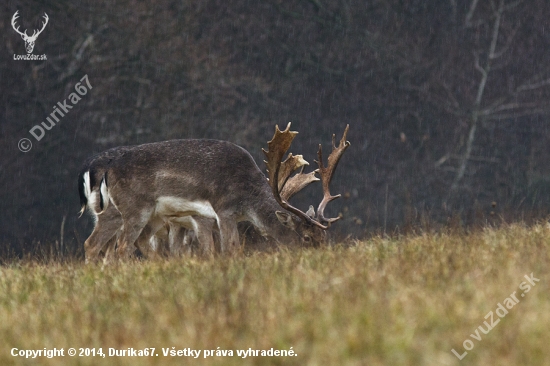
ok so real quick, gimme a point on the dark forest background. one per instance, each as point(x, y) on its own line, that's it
point(447, 102)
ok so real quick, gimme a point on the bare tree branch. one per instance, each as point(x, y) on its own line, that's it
point(512, 5)
point(468, 22)
point(526, 113)
point(533, 86)
point(479, 97)
point(496, 30)
point(450, 94)
point(508, 43)
point(508, 106)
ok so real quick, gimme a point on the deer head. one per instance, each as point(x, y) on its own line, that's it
point(310, 226)
point(29, 40)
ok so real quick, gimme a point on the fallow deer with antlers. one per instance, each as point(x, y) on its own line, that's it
point(155, 183)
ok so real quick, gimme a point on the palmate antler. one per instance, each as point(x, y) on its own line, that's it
point(327, 172)
point(283, 186)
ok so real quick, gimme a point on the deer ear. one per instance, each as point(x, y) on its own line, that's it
point(286, 219)
point(311, 212)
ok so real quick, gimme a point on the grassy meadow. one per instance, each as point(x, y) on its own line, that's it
point(384, 301)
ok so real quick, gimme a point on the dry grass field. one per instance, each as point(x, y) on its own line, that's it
point(401, 301)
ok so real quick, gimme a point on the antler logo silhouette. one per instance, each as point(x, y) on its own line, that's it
point(29, 40)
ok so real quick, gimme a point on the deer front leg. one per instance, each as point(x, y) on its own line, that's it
point(229, 235)
point(176, 235)
point(110, 248)
point(204, 227)
point(160, 242)
point(180, 240)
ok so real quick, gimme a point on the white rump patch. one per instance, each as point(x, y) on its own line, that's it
point(93, 203)
point(86, 184)
point(104, 194)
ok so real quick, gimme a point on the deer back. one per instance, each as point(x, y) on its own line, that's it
point(219, 172)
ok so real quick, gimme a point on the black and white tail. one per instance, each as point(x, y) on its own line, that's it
point(92, 196)
point(92, 180)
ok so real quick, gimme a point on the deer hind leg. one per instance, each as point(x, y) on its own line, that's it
point(110, 248)
point(143, 242)
point(135, 220)
point(103, 236)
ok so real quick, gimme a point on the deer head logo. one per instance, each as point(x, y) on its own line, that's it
point(29, 40)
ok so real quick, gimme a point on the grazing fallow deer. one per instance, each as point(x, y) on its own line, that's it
point(216, 180)
point(108, 223)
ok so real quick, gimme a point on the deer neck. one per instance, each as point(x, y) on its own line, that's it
point(266, 222)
